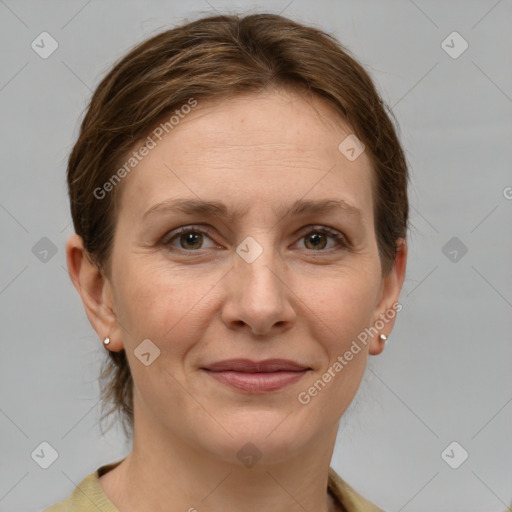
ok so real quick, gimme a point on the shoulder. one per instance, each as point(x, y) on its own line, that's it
point(350, 500)
point(88, 496)
point(58, 507)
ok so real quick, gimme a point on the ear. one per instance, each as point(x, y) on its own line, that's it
point(388, 305)
point(96, 292)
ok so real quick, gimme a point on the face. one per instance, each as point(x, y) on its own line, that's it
point(262, 247)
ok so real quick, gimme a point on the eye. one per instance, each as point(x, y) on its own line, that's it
point(187, 238)
point(317, 239)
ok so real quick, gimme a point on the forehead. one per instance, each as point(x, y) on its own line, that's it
point(276, 145)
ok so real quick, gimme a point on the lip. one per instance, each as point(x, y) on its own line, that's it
point(249, 366)
point(257, 376)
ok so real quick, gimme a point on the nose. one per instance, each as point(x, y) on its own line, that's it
point(258, 296)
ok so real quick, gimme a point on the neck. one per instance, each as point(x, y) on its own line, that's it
point(165, 474)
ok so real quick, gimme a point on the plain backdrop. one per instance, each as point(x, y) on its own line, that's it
point(446, 373)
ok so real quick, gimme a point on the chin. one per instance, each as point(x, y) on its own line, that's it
point(270, 436)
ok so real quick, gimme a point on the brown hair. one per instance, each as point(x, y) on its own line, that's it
point(214, 58)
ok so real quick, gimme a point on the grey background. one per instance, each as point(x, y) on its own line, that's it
point(446, 373)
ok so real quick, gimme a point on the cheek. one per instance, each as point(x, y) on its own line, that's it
point(345, 307)
point(162, 303)
point(341, 302)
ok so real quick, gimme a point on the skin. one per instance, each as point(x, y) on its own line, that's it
point(255, 153)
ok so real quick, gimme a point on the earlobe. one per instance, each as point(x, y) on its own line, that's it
point(378, 343)
point(94, 290)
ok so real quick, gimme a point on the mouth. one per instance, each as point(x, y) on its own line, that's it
point(257, 376)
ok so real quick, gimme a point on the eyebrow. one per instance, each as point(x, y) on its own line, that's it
point(219, 209)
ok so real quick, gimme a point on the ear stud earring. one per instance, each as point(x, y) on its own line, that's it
point(383, 338)
point(106, 341)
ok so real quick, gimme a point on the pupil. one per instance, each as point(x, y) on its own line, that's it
point(191, 239)
point(317, 240)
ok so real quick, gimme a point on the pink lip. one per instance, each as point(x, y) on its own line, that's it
point(257, 382)
point(257, 376)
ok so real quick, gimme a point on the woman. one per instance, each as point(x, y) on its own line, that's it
point(239, 197)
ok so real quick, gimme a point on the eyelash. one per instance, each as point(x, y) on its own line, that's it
point(342, 241)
